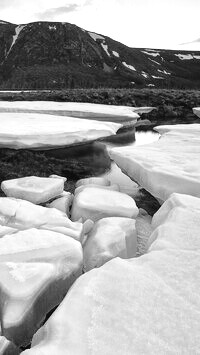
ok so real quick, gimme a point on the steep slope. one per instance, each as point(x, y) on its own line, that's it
point(61, 55)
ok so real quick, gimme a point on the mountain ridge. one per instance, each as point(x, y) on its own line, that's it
point(58, 55)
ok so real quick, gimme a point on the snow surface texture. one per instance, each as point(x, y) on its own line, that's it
point(33, 188)
point(36, 131)
point(98, 112)
point(196, 111)
point(20, 215)
point(94, 203)
point(147, 305)
point(34, 265)
point(109, 238)
point(169, 165)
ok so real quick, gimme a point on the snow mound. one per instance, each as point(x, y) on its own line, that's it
point(169, 165)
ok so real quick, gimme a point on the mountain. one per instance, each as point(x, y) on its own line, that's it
point(54, 55)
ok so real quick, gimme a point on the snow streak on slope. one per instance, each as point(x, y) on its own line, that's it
point(95, 36)
point(128, 66)
point(115, 54)
point(18, 29)
point(153, 54)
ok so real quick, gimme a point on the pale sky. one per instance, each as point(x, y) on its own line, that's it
point(136, 23)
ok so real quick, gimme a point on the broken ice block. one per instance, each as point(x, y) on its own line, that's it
point(62, 203)
point(146, 305)
point(94, 203)
point(21, 214)
point(33, 188)
point(109, 238)
point(36, 270)
point(93, 180)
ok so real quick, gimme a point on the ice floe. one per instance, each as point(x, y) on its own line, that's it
point(94, 203)
point(81, 110)
point(36, 131)
point(146, 305)
point(169, 165)
point(33, 188)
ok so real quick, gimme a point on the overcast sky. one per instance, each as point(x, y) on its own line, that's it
point(136, 23)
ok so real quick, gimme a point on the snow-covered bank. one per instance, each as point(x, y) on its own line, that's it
point(169, 165)
point(34, 131)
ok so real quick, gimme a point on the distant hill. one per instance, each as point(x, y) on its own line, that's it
point(53, 55)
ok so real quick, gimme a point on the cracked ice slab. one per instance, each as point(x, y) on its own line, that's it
point(146, 305)
point(36, 270)
point(81, 110)
point(169, 165)
point(42, 131)
point(21, 215)
point(33, 188)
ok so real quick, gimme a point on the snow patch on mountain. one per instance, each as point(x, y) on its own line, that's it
point(128, 66)
point(95, 36)
point(144, 74)
point(115, 54)
point(184, 56)
point(153, 54)
point(157, 77)
point(18, 29)
point(154, 61)
point(164, 72)
point(53, 27)
point(105, 48)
